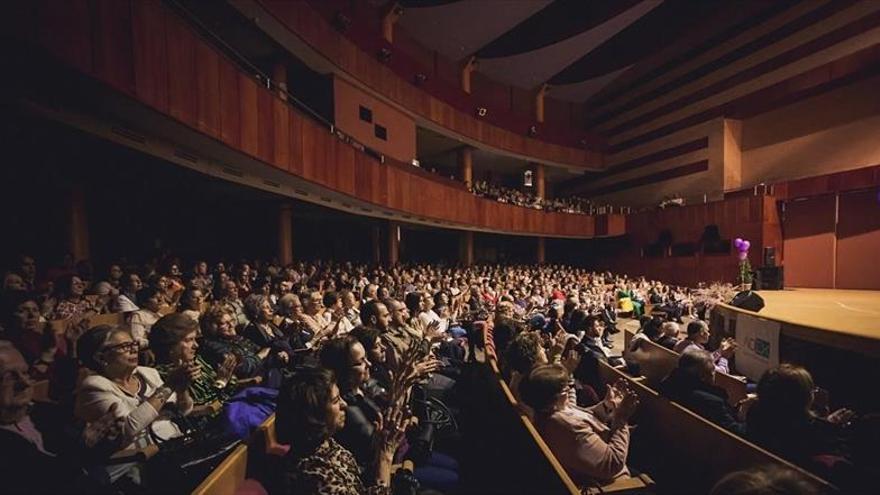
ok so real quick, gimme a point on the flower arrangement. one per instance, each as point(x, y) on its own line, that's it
point(745, 268)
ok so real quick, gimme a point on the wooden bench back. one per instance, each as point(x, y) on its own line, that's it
point(657, 362)
point(683, 451)
point(524, 462)
point(226, 478)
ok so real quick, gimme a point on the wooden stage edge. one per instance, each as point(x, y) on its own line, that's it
point(844, 319)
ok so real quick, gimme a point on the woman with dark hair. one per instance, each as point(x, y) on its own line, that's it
point(347, 359)
point(310, 410)
point(69, 299)
point(782, 421)
point(380, 377)
point(143, 319)
point(591, 444)
point(138, 394)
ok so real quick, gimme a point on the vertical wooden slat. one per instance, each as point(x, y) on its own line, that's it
point(150, 62)
point(182, 81)
point(248, 114)
point(208, 89)
point(112, 49)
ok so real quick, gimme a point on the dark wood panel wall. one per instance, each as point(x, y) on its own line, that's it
point(450, 112)
point(752, 217)
point(144, 50)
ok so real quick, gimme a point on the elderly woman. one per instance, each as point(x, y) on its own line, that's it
point(262, 329)
point(144, 318)
point(173, 341)
point(591, 444)
point(310, 411)
point(138, 394)
point(221, 340)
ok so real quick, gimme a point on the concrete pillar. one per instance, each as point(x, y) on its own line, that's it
point(466, 165)
point(469, 66)
point(377, 250)
point(279, 77)
point(540, 184)
point(285, 233)
point(393, 243)
point(539, 102)
point(466, 248)
point(541, 254)
point(78, 221)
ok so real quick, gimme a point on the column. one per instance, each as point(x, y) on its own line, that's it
point(466, 248)
point(393, 243)
point(539, 102)
point(541, 254)
point(392, 14)
point(79, 224)
point(466, 165)
point(540, 189)
point(469, 66)
point(377, 250)
point(279, 77)
point(285, 233)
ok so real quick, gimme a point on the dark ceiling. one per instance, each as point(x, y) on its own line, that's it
point(579, 47)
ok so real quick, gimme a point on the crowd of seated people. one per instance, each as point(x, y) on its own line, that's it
point(337, 351)
point(528, 199)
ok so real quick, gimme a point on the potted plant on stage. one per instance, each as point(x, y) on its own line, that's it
point(745, 268)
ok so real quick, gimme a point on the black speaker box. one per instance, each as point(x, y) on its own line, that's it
point(748, 300)
point(769, 278)
point(769, 256)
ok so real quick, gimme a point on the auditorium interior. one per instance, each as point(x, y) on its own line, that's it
point(440, 247)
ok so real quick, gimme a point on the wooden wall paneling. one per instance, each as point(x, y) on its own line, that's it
point(230, 104)
point(281, 134)
point(858, 240)
point(182, 82)
point(295, 126)
point(248, 114)
point(65, 28)
point(150, 54)
point(265, 125)
point(810, 242)
point(208, 106)
point(112, 48)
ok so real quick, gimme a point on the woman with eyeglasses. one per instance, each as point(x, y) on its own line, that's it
point(221, 340)
point(140, 397)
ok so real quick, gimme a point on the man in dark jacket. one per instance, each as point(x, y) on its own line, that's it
point(692, 384)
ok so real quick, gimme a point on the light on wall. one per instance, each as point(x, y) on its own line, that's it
point(482, 111)
point(384, 55)
point(527, 178)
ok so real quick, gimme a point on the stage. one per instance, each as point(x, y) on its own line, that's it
point(833, 333)
point(844, 319)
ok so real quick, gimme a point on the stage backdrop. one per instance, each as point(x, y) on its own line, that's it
point(832, 241)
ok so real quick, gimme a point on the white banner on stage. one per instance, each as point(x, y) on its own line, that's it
point(758, 341)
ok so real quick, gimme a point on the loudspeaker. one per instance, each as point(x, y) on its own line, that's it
point(769, 278)
point(748, 300)
point(769, 256)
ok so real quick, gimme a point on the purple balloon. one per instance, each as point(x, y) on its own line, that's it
point(737, 242)
point(746, 245)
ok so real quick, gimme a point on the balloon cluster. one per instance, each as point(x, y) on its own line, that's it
point(742, 248)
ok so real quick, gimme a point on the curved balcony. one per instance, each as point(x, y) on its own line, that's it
point(432, 100)
point(148, 53)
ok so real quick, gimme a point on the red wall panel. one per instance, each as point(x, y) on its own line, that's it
point(150, 54)
point(182, 82)
point(810, 242)
point(858, 240)
point(112, 51)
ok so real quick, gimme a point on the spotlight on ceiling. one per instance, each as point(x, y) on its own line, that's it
point(533, 130)
point(482, 111)
point(420, 78)
point(384, 55)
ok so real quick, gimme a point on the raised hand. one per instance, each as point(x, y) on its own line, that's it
point(227, 367)
point(571, 360)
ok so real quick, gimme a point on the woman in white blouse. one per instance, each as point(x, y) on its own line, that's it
point(137, 392)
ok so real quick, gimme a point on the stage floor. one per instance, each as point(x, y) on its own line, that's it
point(851, 312)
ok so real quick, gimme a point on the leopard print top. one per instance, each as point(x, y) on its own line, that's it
point(330, 470)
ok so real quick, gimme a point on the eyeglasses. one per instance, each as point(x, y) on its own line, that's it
point(124, 347)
